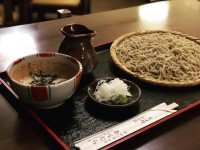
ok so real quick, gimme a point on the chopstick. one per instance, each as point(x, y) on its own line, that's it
point(169, 108)
point(112, 134)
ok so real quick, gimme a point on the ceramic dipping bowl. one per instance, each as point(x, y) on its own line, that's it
point(45, 80)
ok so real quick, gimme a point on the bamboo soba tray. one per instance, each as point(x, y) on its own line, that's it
point(164, 57)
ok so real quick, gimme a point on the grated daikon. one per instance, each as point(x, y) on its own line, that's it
point(110, 91)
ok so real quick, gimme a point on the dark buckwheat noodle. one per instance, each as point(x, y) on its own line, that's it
point(161, 56)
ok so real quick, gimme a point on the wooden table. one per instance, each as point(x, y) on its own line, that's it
point(182, 132)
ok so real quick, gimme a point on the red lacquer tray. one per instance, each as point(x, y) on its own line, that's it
point(80, 117)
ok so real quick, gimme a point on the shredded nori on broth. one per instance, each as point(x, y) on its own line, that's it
point(41, 78)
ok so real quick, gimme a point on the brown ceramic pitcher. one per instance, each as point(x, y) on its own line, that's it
point(77, 43)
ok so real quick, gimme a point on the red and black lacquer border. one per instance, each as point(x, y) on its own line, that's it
point(63, 145)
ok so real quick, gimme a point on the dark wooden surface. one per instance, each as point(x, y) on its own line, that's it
point(182, 132)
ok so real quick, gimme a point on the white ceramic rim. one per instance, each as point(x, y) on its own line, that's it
point(55, 53)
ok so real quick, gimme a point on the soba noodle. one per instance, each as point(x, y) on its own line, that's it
point(161, 56)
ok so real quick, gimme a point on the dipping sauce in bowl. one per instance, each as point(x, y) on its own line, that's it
point(43, 73)
point(45, 80)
